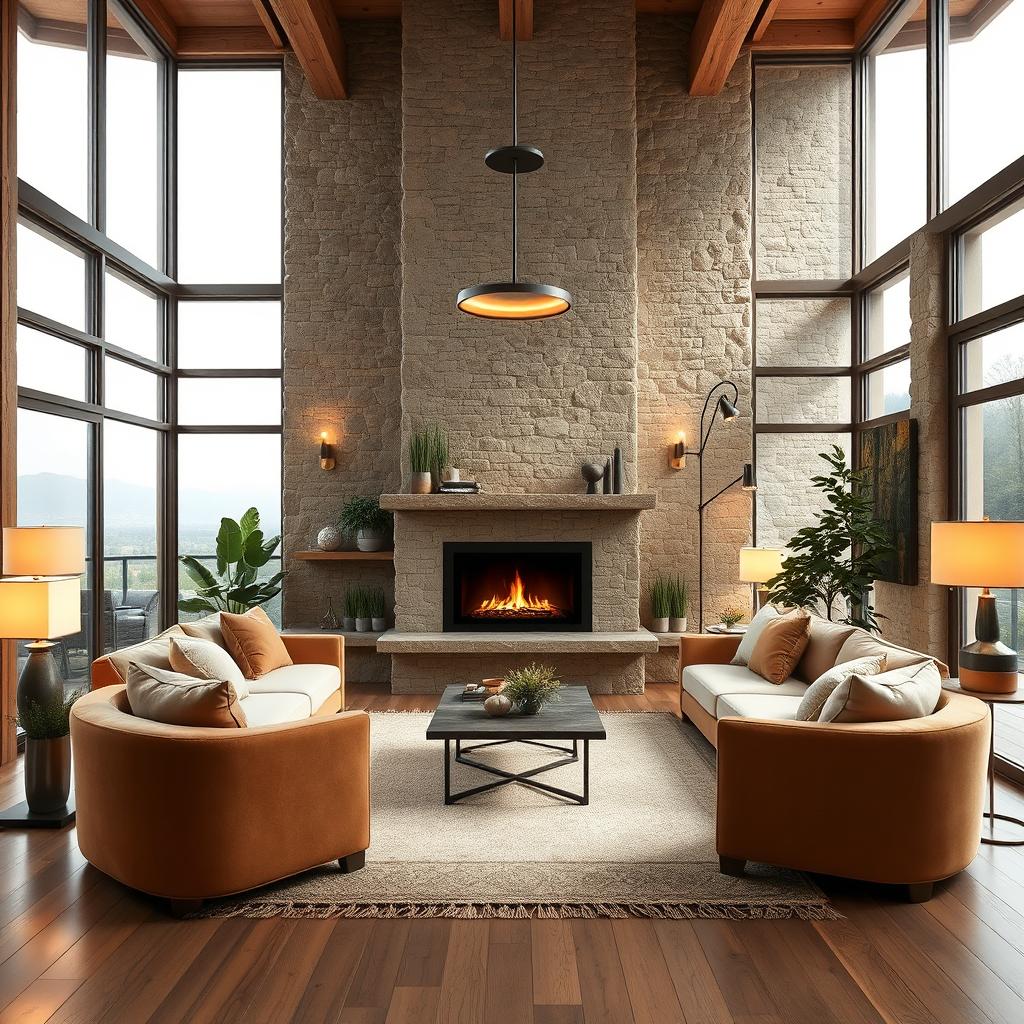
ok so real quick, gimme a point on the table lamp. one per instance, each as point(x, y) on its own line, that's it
point(987, 555)
point(758, 566)
point(41, 599)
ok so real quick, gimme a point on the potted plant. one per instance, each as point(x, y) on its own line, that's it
point(362, 606)
point(348, 618)
point(530, 688)
point(242, 551)
point(48, 754)
point(661, 603)
point(364, 518)
point(420, 457)
point(378, 610)
point(441, 456)
point(679, 602)
point(831, 566)
point(730, 617)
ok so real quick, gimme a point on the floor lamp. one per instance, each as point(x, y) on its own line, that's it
point(725, 408)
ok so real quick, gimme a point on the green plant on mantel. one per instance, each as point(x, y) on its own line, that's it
point(661, 597)
point(376, 602)
point(530, 688)
point(242, 551)
point(440, 450)
point(679, 598)
point(420, 453)
point(363, 513)
point(840, 556)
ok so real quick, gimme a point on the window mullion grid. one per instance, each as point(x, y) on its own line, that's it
point(937, 101)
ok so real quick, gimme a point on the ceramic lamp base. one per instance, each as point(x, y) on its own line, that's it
point(988, 667)
point(40, 682)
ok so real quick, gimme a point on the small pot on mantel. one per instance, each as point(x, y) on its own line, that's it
point(379, 625)
point(450, 476)
point(371, 540)
point(363, 625)
point(677, 625)
point(659, 625)
point(422, 483)
point(348, 623)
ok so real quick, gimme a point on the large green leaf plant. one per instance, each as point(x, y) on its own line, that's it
point(242, 551)
point(831, 566)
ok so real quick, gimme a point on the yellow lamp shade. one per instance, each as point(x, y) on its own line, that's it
point(759, 565)
point(978, 554)
point(44, 550)
point(34, 608)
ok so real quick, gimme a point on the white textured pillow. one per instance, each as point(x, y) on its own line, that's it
point(203, 659)
point(749, 640)
point(823, 687)
point(904, 693)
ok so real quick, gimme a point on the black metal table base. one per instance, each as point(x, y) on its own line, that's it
point(526, 778)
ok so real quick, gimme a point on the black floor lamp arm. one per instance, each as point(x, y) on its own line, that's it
point(733, 483)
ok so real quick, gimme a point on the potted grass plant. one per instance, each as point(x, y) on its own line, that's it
point(661, 603)
point(348, 618)
point(530, 688)
point(441, 456)
point(420, 461)
point(363, 517)
point(378, 609)
point(364, 623)
point(679, 603)
point(48, 753)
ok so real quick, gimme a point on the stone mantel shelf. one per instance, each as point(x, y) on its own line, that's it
point(517, 502)
point(638, 642)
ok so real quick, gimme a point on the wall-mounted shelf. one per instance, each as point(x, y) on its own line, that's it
point(352, 639)
point(344, 556)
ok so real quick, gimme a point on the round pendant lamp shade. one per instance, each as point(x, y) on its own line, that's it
point(505, 300)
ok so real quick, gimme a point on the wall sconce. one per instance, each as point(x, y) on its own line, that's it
point(326, 452)
point(677, 453)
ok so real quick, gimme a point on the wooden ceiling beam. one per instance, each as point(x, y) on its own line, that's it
point(716, 40)
point(269, 21)
point(524, 19)
point(205, 42)
point(867, 19)
point(163, 24)
point(764, 19)
point(315, 36)
point(808, 36)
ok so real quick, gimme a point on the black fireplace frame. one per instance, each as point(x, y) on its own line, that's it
point(586, 596)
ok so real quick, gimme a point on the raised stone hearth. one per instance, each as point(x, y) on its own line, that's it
point(639, 642)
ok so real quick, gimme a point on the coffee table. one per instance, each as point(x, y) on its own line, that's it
point(573, 717)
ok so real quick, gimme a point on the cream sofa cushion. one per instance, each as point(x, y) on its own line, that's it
point(861, 643)
point(156, 652)
point(749, 639)
point(774, 705)
point(909, 692)
point(206, 660)
point(823, 687)
point(315, 683)
point(706, 683)
point(275, 709)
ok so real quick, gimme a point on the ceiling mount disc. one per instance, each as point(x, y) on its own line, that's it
point(515, 159)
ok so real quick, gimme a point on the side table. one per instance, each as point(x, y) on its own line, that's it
point(993, 700)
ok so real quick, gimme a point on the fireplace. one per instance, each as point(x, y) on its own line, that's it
point(521, 587)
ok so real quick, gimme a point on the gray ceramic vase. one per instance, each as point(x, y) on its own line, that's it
point(47, 774)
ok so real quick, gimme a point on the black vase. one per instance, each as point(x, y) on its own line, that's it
point(617, 471)
point(608, 477)
point(47, 774)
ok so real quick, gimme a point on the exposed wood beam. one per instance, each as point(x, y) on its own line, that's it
point(270, 22)
point(868, 18)
point(197, 42)
point(524, 19)
point(156, 14)
point(806, 36)
point(764, 19)
point(315, 35)
point(717, 38)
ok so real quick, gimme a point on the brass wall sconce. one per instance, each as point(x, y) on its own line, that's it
point(677, 452)
point(326, 452)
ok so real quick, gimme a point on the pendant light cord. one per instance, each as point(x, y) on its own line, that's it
point(515, 142)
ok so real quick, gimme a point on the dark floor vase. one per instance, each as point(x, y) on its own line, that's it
point(47, 774)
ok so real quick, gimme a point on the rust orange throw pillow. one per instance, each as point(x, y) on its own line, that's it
point(254, 643)
point(780, 646)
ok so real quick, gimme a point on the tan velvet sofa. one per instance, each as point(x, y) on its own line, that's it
point(190, 814)
point(897, 803)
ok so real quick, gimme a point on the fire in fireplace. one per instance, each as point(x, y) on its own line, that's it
point(517, 586)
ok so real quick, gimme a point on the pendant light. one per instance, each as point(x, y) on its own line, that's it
point(515, 299)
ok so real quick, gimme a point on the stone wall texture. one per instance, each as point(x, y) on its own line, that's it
point(694, 311)
point(525, 403)
point(803, 332)
point(916, 616)
point(341, 313)
point(803, 155)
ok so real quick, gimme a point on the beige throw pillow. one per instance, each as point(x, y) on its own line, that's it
point(175, 699)
point(205, 660)
point(860, 643)
point(823, 646)
point(895, 696)
point(767, 614)
point(822, 688)
point(155, 651)
point(780, 645)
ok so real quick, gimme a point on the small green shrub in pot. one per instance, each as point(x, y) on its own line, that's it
point(661, 603)
point(679, 603)
point(367, 521)
point(420, 459)
point(378, 609)
point(530, 688)
point(348, 621)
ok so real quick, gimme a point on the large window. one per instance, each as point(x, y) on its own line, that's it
point(120, 367)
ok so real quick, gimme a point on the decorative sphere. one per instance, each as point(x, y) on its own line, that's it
point(592, 472)
point(497, 705)
point(329, 539)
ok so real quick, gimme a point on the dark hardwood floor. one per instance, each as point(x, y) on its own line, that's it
point(76, 946)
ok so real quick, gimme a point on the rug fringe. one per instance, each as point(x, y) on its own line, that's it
point(524, 911)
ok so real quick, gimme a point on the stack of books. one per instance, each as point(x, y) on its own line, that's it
point(459, 487)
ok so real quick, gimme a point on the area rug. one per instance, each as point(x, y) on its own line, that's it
point(644, 846)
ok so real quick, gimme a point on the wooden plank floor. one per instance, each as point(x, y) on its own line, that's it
point(76, 946)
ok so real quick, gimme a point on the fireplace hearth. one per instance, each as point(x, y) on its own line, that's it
point(517, 587)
